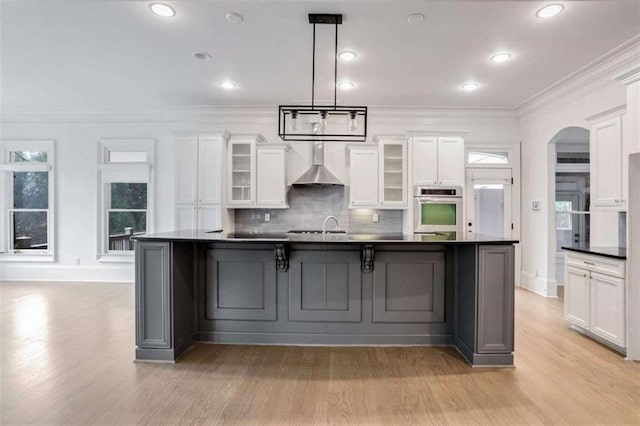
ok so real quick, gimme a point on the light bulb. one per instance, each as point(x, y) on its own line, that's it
point(294, 120)
point(353, 123)
point(323, 121)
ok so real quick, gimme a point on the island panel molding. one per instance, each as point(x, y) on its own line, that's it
point(196, 286)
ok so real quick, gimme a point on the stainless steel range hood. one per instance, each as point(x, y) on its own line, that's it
point(318, 174)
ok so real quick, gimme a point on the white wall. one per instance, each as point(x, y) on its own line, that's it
point(77, 135)
point(588, 93)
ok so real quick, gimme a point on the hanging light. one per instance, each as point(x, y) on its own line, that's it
point(353, 122)
point(320, 117)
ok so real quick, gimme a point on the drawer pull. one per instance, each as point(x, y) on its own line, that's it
point(589, 263)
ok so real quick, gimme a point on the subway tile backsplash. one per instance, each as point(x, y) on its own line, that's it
point(309, 206)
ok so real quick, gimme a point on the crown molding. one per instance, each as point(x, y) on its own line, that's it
point(630, 75)
point(222, 116)
point(602, 69)
point(610, 113)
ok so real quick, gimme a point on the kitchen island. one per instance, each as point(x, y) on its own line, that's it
point(441, 289)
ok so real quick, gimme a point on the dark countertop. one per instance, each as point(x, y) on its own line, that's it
point(435, 238)
point(613, 252)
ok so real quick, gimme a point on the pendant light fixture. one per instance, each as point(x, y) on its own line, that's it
point(332, 123)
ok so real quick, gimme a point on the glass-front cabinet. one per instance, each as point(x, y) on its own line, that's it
point(241, 168)
point(393, 171)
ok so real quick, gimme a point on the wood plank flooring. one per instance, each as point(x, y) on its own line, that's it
point(67, 351)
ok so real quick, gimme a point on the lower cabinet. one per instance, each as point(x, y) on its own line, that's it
point(409, 287)
point(325, 286)
point(593, 300)
point(240, 284)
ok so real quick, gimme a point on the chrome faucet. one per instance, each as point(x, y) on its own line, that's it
point(324, 225)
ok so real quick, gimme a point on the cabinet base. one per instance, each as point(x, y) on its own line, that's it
point(599, 339)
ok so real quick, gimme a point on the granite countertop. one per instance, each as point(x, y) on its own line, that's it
point(613, 252)
point(346, 238)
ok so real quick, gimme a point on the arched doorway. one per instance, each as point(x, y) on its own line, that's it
point(568, 198)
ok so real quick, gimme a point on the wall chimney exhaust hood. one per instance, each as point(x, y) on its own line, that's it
point(318, 174)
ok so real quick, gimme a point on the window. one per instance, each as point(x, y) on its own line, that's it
point(486, 157)
point(26, 179)
point(563, 215)
point(125, 196)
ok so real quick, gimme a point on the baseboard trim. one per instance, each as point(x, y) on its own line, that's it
point(325, 339)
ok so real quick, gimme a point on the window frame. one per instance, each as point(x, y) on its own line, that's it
point(121, 172)
point(489, 150)
point(6, 203)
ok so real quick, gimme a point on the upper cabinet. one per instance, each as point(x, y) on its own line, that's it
point(393, 172)
point(379, 174)
point(198, 177)
point(607, 159)
point(271, 176)
point(256, 173)
point(438, 160)
point(363, 191)
point(241, 170)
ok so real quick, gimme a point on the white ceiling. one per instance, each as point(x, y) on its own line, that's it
point(95, 53)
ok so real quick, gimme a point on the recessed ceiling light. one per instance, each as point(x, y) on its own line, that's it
point(470, 87)
point(501, 57)
point(347, 55)
point(227, 85)
point(202, 55)
point(345, 85)
point(162, 9)
point(550, 10)
point(235, 18)
point(415, 18)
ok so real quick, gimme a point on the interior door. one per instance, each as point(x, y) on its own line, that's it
point(488, 202)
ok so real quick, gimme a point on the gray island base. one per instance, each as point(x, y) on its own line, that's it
point(194, 286)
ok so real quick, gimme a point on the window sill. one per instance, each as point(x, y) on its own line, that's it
point(116, 258)
point(27, 257)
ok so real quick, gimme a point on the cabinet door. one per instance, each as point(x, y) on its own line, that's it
point(186, 217)
point(186, 170)
point(393, 174)
point(425, 161)
point(271, 178)
point(241, 174)
point(606, 164)
point(409, 287)
point(209, 217)
point(325, 286)
point(210, 170)
point(153, 300)
point(364, 178)
point(576, 296)
point(451, 161)
point(608, 308)
point(496, 280)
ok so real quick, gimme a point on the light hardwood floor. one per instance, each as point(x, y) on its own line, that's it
point(67, 351)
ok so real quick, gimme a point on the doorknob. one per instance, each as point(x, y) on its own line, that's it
point(470, 224)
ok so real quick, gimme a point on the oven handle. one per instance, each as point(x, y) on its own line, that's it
point(438, 199)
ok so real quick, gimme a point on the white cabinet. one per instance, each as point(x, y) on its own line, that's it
point(241, 168)
point(576, 296)
point(607, 307)
point(198, 177)
point(363, 191)
point(271, 176)
point(595, 296)
point(392, 154)
point(256, 173)
point(606, 158)
point(378, 174)
point(438, 161)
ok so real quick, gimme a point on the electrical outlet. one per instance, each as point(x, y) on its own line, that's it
point(376, 218)
point(267, 217)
